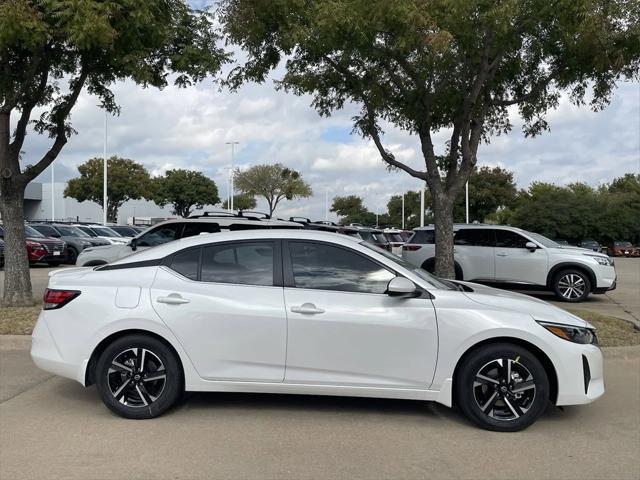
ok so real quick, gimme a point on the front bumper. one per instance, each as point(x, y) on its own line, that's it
point(580, 376)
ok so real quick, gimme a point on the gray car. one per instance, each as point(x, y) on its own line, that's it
point(76, 239)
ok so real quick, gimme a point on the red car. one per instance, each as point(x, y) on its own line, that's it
point(41, 249)
point(623, 249)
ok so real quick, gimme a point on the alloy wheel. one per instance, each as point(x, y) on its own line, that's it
point(136, 377)
point(504, 389)
point(571, 286)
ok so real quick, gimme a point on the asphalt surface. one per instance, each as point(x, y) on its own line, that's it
point(51, 428)
point(624, 302)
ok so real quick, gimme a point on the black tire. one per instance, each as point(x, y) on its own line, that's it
point(503, 410)
point(139, 398)
point(430, 266)
point(72, 256)
point(571, 285)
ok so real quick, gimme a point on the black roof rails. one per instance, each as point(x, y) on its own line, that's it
point(254, 212)
point(299, 219)
point(223, 214)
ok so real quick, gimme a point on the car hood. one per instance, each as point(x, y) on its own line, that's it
point(104, 248)
point(538, 309)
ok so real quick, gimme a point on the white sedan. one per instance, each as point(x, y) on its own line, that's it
point(306, 312)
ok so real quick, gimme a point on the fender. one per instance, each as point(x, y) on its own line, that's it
point(578, 266)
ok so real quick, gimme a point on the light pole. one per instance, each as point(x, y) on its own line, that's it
point(228, 169)
point(466, 195)
point(326, 204)
point(53, 197)
point(422, 205)
point(403, 208)
point(233, 144)
point(104, 173)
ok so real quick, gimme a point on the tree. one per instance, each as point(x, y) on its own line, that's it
point(89, 44)
point(127, 180)
point(241, 201)
point(438, 65)
point(489, 189)
point(411, 210)
point(272, 182)
point(351, 209)
point(184, 189)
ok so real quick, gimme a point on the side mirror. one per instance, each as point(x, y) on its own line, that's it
point(401, 287)
point(532, 247)
point(134, 244)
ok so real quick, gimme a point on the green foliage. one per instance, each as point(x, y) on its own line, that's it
point(127, 180)
point(411, 210)
point(184, 189)
point(351, 209)
point(272, 182)
point(489, 189)
point(241, 201)
point(428, 65)
point(578, 212)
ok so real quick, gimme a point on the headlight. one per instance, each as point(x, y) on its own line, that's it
point(582, 335)
point(602, 260)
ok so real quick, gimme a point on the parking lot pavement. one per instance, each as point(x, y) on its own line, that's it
point(51, 427)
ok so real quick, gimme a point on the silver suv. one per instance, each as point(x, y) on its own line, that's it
point(173, 230)
point(513, 257)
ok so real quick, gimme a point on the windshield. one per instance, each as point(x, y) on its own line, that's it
point(125, 231)
point(423, 274)
point(623, 244)
point(394, 237)
point(544, 241)
point(105, 232)
point(32, 232)
point(71, 232)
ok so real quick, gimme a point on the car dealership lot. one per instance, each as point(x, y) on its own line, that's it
point(54, 428)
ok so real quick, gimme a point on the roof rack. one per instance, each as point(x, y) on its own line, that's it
point(242, 213)
point(299, 219)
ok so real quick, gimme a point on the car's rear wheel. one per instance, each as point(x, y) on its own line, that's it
point(502, 387)
point(571, 285)
point(72, 256)
point(139, 377)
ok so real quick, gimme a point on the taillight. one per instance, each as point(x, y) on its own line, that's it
point(411, 248)
point(58, 298)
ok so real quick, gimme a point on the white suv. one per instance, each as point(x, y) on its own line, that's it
point(175, 229)
point(511, 256)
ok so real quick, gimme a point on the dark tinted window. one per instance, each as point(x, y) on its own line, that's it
point(476, 237)
point(325, 267)
point(186, 263)
point(242, 263)
point(46, 230)
point(422, 237)
point(193, 228)
point(159, 235)
point(394, 237)
point(508, 239)
point(88, 231)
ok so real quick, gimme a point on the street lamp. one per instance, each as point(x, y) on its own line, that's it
point(233, 144)
point(104, 173)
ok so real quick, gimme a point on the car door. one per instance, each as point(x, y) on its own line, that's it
point(516, 263)
point(224, 303)
point(474, 251)
point(345, 330)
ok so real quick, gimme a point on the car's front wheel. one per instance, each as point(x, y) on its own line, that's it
point(502, 387)
point(139, 377)
point(571, 285)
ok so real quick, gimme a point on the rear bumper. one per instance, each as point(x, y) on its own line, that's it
point(46, 355)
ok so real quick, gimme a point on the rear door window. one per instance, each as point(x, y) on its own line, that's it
point(196, 228)
point(474, 237)
point(246, 263)
point(186, 263)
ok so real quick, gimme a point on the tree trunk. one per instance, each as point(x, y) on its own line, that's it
point(112, 212)
point(443, 223)
point(17, 281)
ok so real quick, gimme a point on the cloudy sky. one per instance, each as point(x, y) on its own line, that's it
point(188, 128)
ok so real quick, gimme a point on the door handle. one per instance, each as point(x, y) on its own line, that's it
point(173, 299)
point(502, 254)
point(308, 308)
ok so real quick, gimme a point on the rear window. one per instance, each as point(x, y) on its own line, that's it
point(394, 237)
point(422, 237)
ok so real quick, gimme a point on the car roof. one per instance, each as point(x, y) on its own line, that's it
point(457, 226)
point(168, 248)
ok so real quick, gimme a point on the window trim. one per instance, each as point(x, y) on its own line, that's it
point(289, 280)
point(277, 261)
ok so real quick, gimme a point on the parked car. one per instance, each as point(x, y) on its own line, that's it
point(394, 237)
point(374, 236)
point(591, 245)
point(623, 249)
point(126, 230)
point(42, 249)
point(307, 312)
point(76, 240)
point(512, 257)
point(173, 230)
point(1, 253)
point(106, 233)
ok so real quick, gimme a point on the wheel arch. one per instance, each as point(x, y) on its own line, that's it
point(429, 266)
point(547, 364)
point(105, 342)
point(553, 271)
